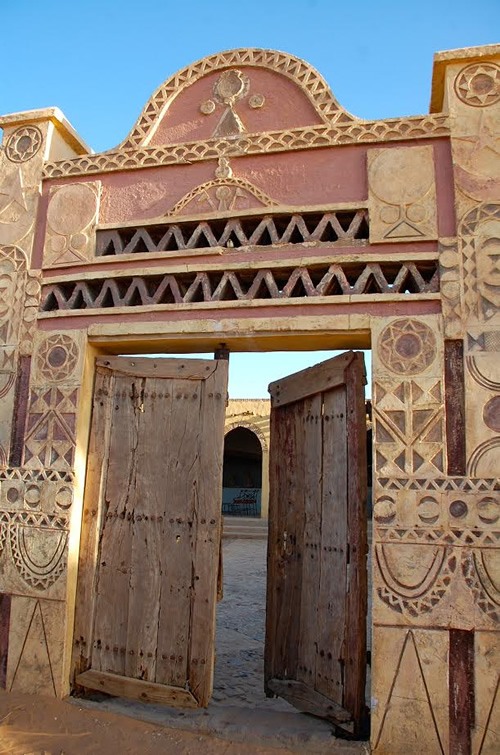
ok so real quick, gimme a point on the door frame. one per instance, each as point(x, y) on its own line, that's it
point(191, 343)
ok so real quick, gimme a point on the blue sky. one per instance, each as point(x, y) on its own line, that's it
point(100, 60)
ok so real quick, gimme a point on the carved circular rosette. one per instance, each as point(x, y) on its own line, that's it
point(23, 144)
point(407, 347)
point(57, 357)
point(478, 85)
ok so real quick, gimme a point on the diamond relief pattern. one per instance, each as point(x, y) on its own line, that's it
point(50, 431)
point(409, 431)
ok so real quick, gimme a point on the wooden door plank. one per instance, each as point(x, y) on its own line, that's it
point(285, 543)
point(357, 589)
point(92, 511)
point(332, 585)
point(311, 566)
point(148, 692)
point(320, 669)
point(179, 531)
point(317, 379)
point(175, 369)
point(152, 410)
point(208, 513)
point(111, 605)
point(159, 544)
point(306, 699)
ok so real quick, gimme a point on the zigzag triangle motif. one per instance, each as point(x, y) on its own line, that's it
point(34, 654)
point(402, 698)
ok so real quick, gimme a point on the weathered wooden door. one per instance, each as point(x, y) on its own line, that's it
point(317, 583)
point(147, 581)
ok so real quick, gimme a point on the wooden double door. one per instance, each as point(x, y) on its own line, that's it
point(151, 534)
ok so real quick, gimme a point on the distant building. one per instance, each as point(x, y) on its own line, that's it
point(245, 479)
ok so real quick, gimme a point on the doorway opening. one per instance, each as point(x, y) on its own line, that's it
point(242, 473)
point(241, 614)
point(241, 634)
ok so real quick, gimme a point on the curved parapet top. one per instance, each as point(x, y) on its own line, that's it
point(233, 92)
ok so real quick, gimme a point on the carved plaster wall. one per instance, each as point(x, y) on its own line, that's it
point(402, 207)
point(72, 214)
point(328, 271)
point(437, 534)
point(36, 500)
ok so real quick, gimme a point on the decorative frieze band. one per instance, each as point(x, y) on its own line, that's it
point(36, 475)
point(298, 228)
point(337, 280)
point(465, 484)
point(312, 137)
point(38, 546)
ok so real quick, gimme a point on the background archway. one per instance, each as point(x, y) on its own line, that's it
point(242, 473)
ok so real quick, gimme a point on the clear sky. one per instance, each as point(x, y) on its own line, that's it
point(100, 60)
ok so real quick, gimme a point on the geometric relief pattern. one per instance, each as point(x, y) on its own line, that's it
point(458, 484)
point(482, 574)
point(287, 65)
point(449, 512)
point(3, 536)
point(38, 547)
point(352, 132)
point(404, 206)
point(335, 227)
point(230, 87)
point(484, 456)
point(35, 646)
point(451, 288)
point(407, 346)
point(71, 215)
point(476, 368)
point(57, 357)
point(8, 362)
point(483, 417)
point(223, 194)
point(17, 208)
point(49, 497)
point(479, 232)
point(459, 519)
point(36, 475)
point(232, 194)
point(50, 431)
point(23, 144)
point(412, 705)
point(33, 290)
point(478, 85)
point(38, 554)
point(416, 590)
point(327, 280)
point(458, 537)
point(409, 427)
point(486, 735)
point(12, 285)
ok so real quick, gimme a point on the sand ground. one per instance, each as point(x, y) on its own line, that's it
point(239, 720)
point(36, 726)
